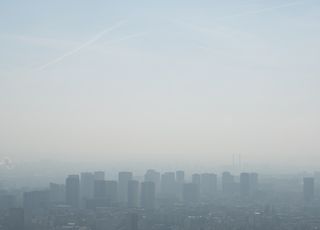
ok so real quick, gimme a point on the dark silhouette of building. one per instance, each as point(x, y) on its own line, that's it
point(133, 193)
point(228, 183)
point(112, 192)
point(168, 185)
point(99, 175)
point(57, 193)
point(179, 184)
point(208, 186)
point(87, 185)
point(180, 176)
point(73, 190)
point(196, 178)
point(153, 176)
point(245, 184)
point(190, 193)
point(148, 195)
point(254, 182)
point(123, 180)
point(308, 189)
point(36, 200)
point(100, 189)
point(105, 194)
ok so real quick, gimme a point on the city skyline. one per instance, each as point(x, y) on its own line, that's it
point(159, 115)
point(92, 200)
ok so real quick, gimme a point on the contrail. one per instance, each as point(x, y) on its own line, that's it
point(82, 46)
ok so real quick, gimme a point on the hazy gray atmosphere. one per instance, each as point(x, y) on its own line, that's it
point(160, 81)
point(159, 115)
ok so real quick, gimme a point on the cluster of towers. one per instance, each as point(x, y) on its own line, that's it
point(92, 189)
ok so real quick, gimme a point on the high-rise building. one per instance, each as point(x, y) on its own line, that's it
point(57, 193)
point(36, 200)
point(208, 186)
point(34, 203)
point(317, 177)
point(111, 191)
point(308, 189)
point(105, 194)
point(73, 190)
point(196, 178)
point(100, 189)
point(190, 193)
point(179, 184)
point(254, 182)
point(317, 183)
point(153, 176)
point(87, 185)
point(228, 183)
point(180, 176)
point(99, 175)
point(168, 185)
point(148, 195)
point(245, 184)
point(123, 180)
point(133, 193)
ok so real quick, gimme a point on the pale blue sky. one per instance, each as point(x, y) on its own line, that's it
point(157, 79)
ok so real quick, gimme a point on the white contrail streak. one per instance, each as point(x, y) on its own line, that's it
point(82, 46)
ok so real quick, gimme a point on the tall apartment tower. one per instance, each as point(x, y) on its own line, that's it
point(111, 192)
point(190, 193)
point(254, 182)
point(168, 185)
point(100, 189)
point(245, 188)
point(123, 180)
point(153, 176)
point(228, 183)
point(179, 184)
point(36, 200)
point(86, 185)
point(57, 193)
point(308, 189)
point(99, 175)
point(133, 194)
point(208, 187)
point(196, 178)
point(73, 190)
point(148, 195)
point(180, 176)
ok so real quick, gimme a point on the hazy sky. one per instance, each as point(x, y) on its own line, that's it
point(160, 80)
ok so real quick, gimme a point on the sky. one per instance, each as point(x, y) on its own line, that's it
point(160, 81)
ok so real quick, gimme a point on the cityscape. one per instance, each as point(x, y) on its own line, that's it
point(165, 201)
point(159, 115)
